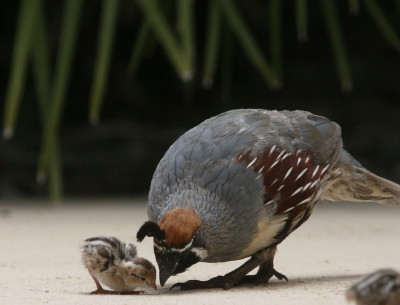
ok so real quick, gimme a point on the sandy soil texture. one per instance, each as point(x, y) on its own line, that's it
point(40, 258)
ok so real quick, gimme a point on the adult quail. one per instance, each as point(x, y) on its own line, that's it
point(239, 183)
point(116, 265)
point(381, 287)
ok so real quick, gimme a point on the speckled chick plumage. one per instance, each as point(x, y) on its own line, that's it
point(253, 176)
point(381, 287)
point(116, 264)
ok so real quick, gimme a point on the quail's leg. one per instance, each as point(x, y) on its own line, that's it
point(264, 259)
point(266, 270)
point(226, 282)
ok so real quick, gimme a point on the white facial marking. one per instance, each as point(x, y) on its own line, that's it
point(172, 249)
point(301, 174)
point(315, 171)
point(297, 191)
point(252, 162)
point(287, 173)
point(200, 252)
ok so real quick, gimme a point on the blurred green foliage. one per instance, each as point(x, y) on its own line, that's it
point(173, 25)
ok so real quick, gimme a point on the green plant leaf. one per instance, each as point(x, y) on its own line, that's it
point(212, 44)
point(41, 71)
point(338, 47)
point(66, 49)
point(301, 20)
point(382, 23)
point(275, 27)
point(22, 49)
point(104, 48)
point(354, 7)
point(167, 39)
point(139, 46)
point(249, 44)
point(186, 20)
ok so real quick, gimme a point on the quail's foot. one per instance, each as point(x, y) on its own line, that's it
point(263, 275)
point(225, 282)
point(216, 282)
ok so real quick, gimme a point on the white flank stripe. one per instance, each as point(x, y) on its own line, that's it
point(314, 183)
point(269, 202)
point(298, 161)
point(325, 168)
point(285, 156)
point(298, 152)
point(258, 177)
point(288, 173)
point(261, 169)
point(315, 171)
point(280, 155)
point(289, 209)
point(275, 163)
point(297, 191)
point(275, 181)
point(272, 149)
point(307, 159)
point(304, 201)
point(281, 187)
point(306, 186)
point(252, 162)
point(301, 174)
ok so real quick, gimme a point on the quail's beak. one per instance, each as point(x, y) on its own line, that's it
point(165, 273)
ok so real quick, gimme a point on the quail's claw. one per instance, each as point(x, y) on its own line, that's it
point(280, 276)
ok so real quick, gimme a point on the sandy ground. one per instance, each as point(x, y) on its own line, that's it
point(40, 259)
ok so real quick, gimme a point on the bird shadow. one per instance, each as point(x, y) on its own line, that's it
point(276, 284)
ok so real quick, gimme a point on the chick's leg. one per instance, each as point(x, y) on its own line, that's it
point(101, 290)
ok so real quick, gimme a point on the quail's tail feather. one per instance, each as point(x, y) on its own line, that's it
point(356, 183)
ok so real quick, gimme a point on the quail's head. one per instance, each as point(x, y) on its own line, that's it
point(173, 241)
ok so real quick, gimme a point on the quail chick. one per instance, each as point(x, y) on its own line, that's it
point(238, 184)
point(115, 264)
point(381, 287)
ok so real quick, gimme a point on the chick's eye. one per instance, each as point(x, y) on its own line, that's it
point(139, 277)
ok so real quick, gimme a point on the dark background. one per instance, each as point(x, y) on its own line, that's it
point(144, 114)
